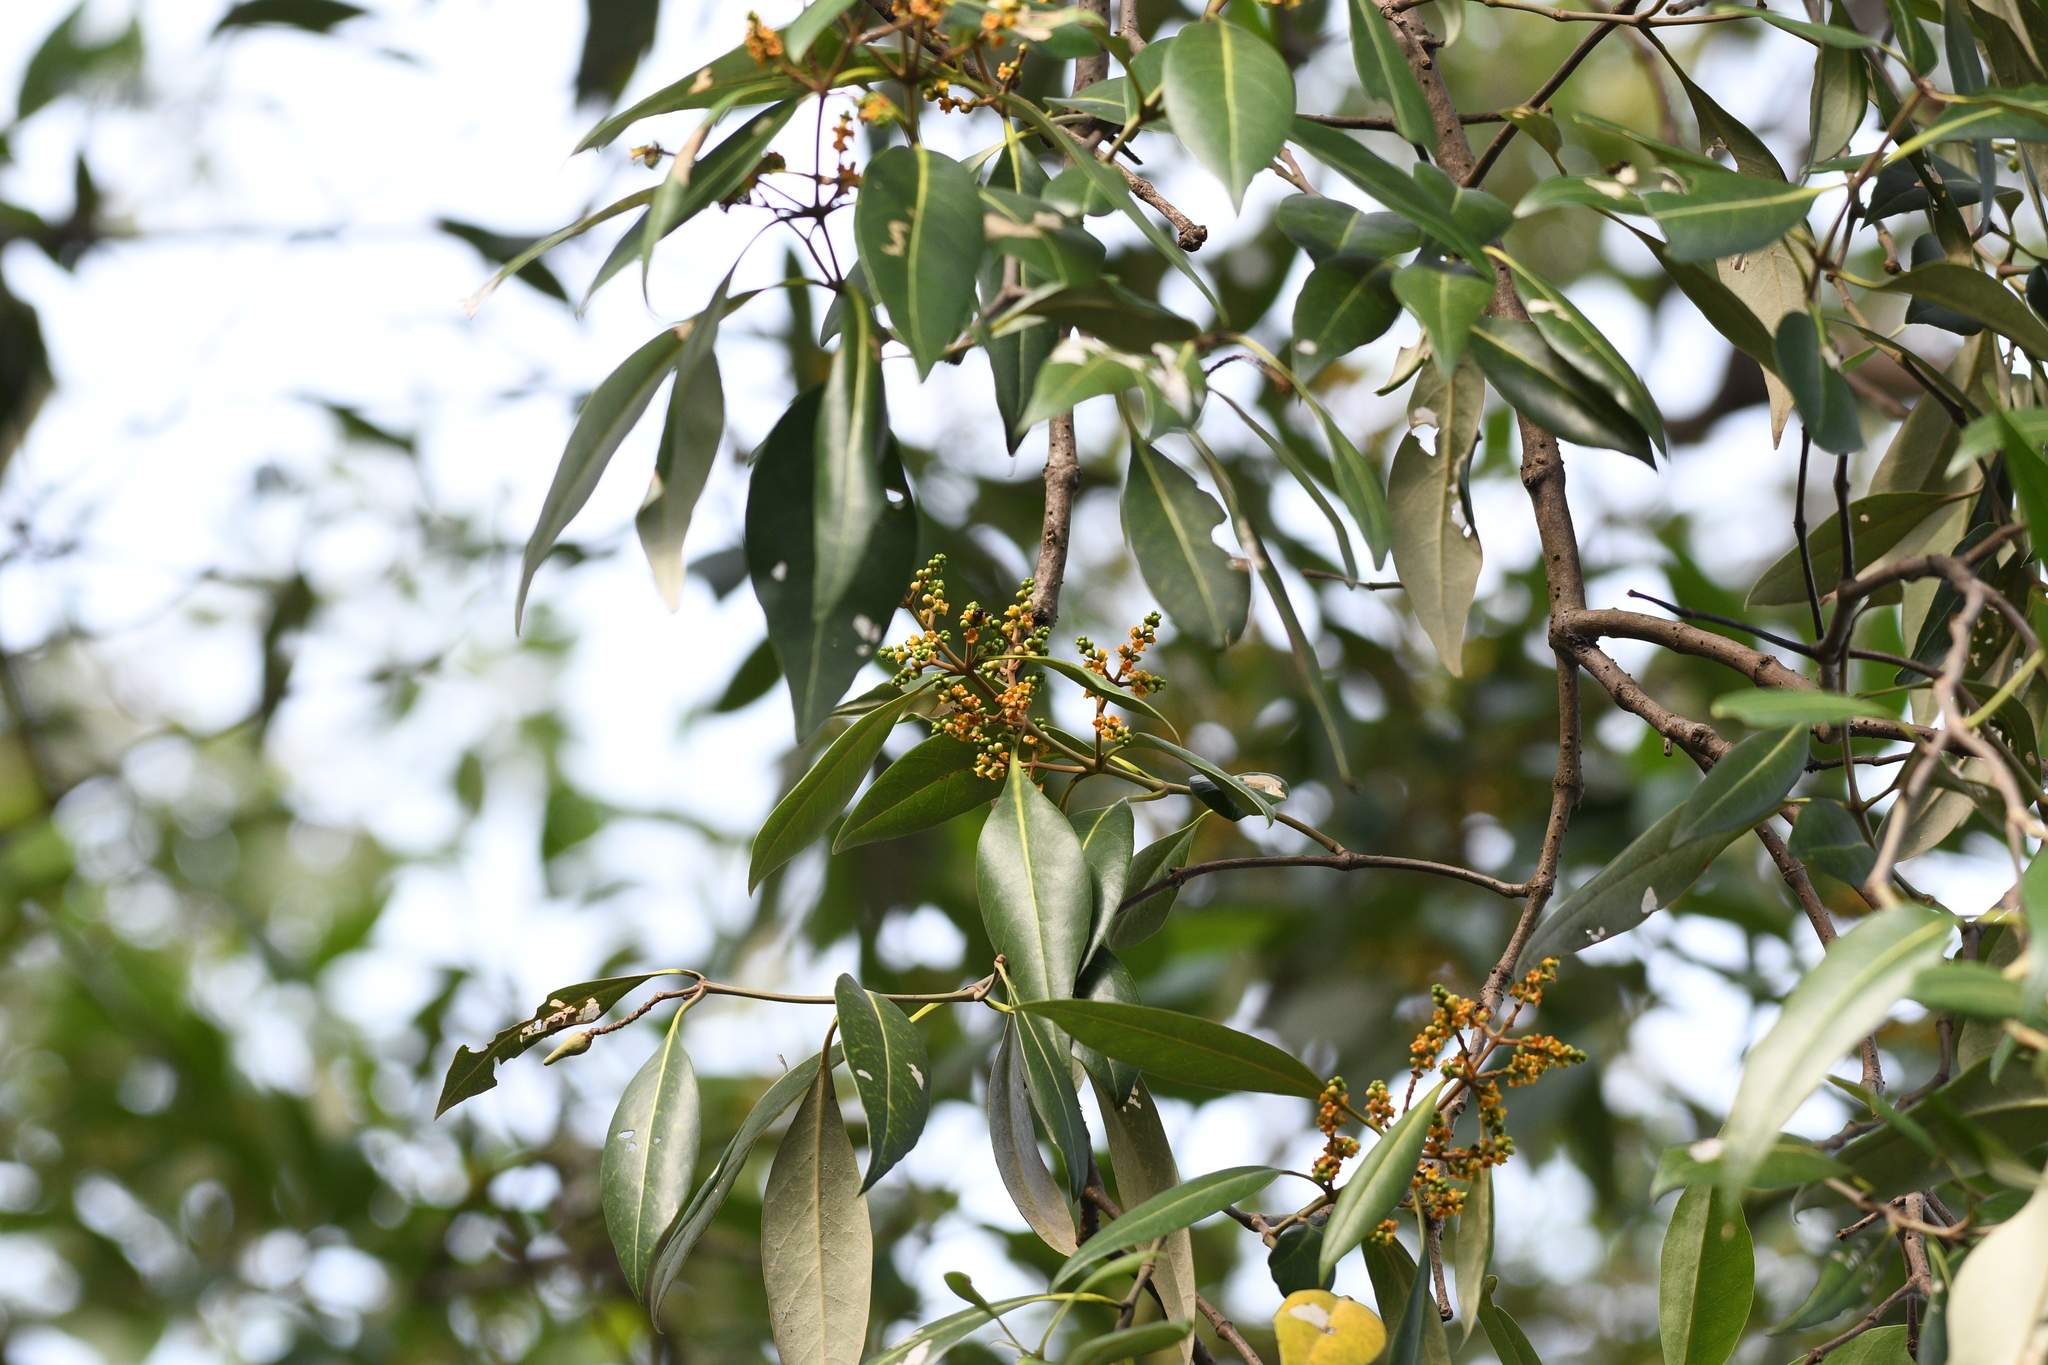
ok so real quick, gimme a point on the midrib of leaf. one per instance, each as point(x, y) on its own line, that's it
point(915, 255)
point(1187, 547)
point(1230, 102)
point(1038, 919)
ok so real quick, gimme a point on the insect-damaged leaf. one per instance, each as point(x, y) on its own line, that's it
point(650, 1153)
point(891, 1069)
point(1437, 557)
point(817, 1257)
point(1231, 99)
point(1168, 520)
point(918, 223)
point(472, 1073)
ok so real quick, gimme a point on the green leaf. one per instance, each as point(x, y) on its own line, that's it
point(1821, 35)
point(1911, 39)
point(819, 658)
point(1295, 1262)
point(1843, 1284)
point(1106, 978)
point(650, 1154)
point(1168, 520)
point(1015, 1145)
point(1445, 301)
point(848, 502)
point(817, 1256)
point(1509, 1342)
point(1108, 837)
point(1127, 1342)
point(1378, 1182)
point(891, 1069)
point(1342, 305)
point(1378, 178)
point(1247, 798)
point(1764, 708)
point(1721, 306)
point(1383, 67)
point(1016, 360)
point(1975, 295)
point(1826, 406)
point(822, 793)
point(1359, 485)
point(1791, 1161)
point(1603, 194)
point(1074, 371)
point(1231, 99)
point(1394, 1275)
point(1881, 522)
point(1142, 1161)
point(928, 786)
point(1972, 988)
point(1185, 1204)
point(1747, 785)
point(1051, 250)
point(2012, 1109)
point(1153, 863)
point(1438, 558)
point(918, 225)
point(1406, 1345)
point(2033, 906)
point(1752, 156)
point(689, 444)
point(1706, 1279)
point(1724, 214)
point(517, 263)
point(1291, 461)
point(1864, 973)
point(611, 411)
point(1482, 216)
point(1827, 838)
point(1841, 89)
point(1332, 230)
point(1037, 892)
point(805, 28)
point(1551, 392)
point(1642, 879)
point(734, 79)
point(1047, 1055)
point(1105, 309)
point(1573, 336)
point(1474, 1251)
point(314, 16)
point(2000, 1295)
point(2028, 473)
point(934, 1339)
point(472, 1073)
point(1180, 1047)
point(1095, 685)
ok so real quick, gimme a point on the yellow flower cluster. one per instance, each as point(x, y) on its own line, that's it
point(764, 44)
point(1337, 1149)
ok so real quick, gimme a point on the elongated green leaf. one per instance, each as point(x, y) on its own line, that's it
point(1247, 798)
point(928, 786)
point(1152, 864)
point(891, 1069)
point(1843, 1284)
point(1745, 786)
point(1098, 686)
point(1474, 1251)
point(1231, 99)
point(1827, 838)
point(822, 793)
point(934, 1339)
point(1074, 371)
point(1791, 1161)
point(1706, 1278)
point(696, 1216)
point(1976, 295)
point(2001, 1293)
point(1510, 1344)
point(805, 28)
point(1841, 89)
point(1131, 1341)
point(1881, 521)
point(819, 658)
point(1724, 214)
point(1015, 1145)
point(1295, 1262)
point(1108, 837)
point(1360, 486)
point(1551, 392)
point(521, 260)
point(1047, 1055)
point(1037, 892)
point(1642, 879)
point(1383, 67)
point(1721, 306)
point(1103, 308)
point(1826, 406)
point(689, 444)
point(1332, 230)
point(1911, 39)
point(2013, 1109)
point(918, 224)
point(650, 1153)
point(1142, 1161)
point(1105, 978)
point(1864, 973)
point(1378, 178)
point(1291, 461)
point(1168, 520)
point(1445, 302)
point(1438, 558)
point(1378, 1181)
point(2033, 905)
point(853, 427)
point(1405, 1346)
point(1186, 1203)
point(610, 412)
point(1181, 1047)
point(1394, 1274)
point(1764, 708)
point(817, 1256)
point(734, 78)
point(1572, 335)
point(472, 1073)
point(1752, 156)
point(1976, 989)
point(1342, 305)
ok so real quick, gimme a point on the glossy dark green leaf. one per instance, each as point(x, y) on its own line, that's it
point(1827, 407)
point(1108, 837)
point(1105, 978)
point(1332, 230)
point(1378, 178)
point(1482, 216)
point(1843, 1284)
point(1723, 214)
point(1231, 99)
point(1841, 89)
point(1185, 1204)
point(733, 79)
point(1827, 838)
point(1752, 156)
point(1976, 295)
point(1295, 1262)
point(1150, 865)
point(1050, 249)
point(689, 445)
point(1573, 336)
point(891, 1069)
point(1551, 392)
point(1168, 520)
point(928, 786)
point(611, 411)
point(1249, 800)
point(918, 225)
point(1181, 1047)
point(1095, 685)
point(1642, 879)
point(1438, 557)
point(1383, 68)
point(1393, 1274)
point(822, 793)
point(1037, 892)
point(1047, 1055)
point(1014, 1143)
point(472, 1073)
point(1378, 1181)
point(853, 427)
point(819, 658)
point(1748, 784)
point(1342, 305)
point(1706, 1278)
point(1128, 1342)
point(650, 1155)
point(1103, 308)
point(817, 1259)
point(1881, 522)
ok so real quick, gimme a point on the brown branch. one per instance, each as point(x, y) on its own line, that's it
point(1189, 233)
point(1379, 123)
point(1062, 480)
point(1227, 1329)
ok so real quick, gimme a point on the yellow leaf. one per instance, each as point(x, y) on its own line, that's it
point(1316, 1327)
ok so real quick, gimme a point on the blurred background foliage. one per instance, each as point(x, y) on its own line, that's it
point(203, 1158)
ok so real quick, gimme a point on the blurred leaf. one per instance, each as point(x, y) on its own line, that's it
point(1127, 1342)
point(1037, 894)
point(1186, 1203)
point(500, 249)
point(1378, 1182)
point(1998, 1298)
point(1361, 488)
point(1970, 988)
point(891, 1069)
point(65, 61)
point(758, 672)
point(1014, 1143)
point(1474, 1250)
point(928, 786)
point(689, 444)
point(1841, 87)
point(650, 1155)
point(1975, 295)
point(472, 1073)
point(1509, 1343)
point(1747, 785)
point(1168, 520)
point(1295, 1263)
point(918, 225)
point(1291, 461)
point(934, 1339)
point(1827, 837)
point(1103, 308)
point(1706, 1278)
point(1108, 837)
point(618, 34)
point(1407, 1345)
point(1881, 522)
point(1247, 799)
point(1230, 97)
point(734, 80)
point(822, 793)
point(1842, 1285)
point(1181, 1047)
point(1438, 559)
point(1574, 337)
point(1766, 708)
point(1642, 879)
point(817, 1256)
point(1073, 372)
